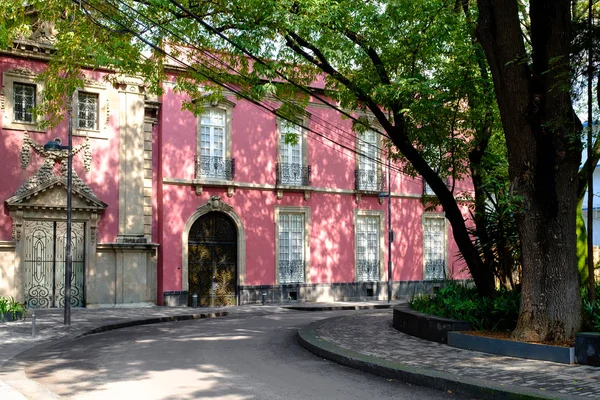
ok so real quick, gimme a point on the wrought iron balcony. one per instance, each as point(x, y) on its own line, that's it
point(367, 271)
point(369, 180)
point(291, 271)
point(435, 270)
point(216, 168)
point(292, 174)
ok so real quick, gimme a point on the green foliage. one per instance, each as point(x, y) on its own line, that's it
point(591, 312)
point(8, 305)
point(457, 301)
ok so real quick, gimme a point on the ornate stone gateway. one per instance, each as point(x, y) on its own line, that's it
point(44, 264)
point(212, 247)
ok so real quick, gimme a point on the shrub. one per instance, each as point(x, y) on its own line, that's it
point(8, 305)
point(591, 312)
point(458, 301)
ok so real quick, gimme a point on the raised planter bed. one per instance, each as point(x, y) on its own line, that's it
point(426, 326)
point(502, 347)
point(587, 348)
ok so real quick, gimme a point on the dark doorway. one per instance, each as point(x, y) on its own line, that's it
point(212, 260)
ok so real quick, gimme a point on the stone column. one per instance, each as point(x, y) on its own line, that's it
point(131, 161)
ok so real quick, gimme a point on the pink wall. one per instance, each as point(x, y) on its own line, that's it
point(102, 179)
point(254, 147)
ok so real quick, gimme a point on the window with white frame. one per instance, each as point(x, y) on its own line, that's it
point(292, 163)
point(292, 252)
point(212, 161)
point(87, 110)
point(290, 168)
point(367, 248)
point(21, 93)
point(434, 247)
point(367, 175)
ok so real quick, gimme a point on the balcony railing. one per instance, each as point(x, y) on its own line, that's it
point(216, 168)
point(292, 174)
point(291, 271)
point(367, 271)
point(369, 180)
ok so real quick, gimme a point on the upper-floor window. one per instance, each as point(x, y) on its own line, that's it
point(213, 159)
point(87, 110)
point(21, 93)
point(292, 168)
point(23, 102)
point(368, 172)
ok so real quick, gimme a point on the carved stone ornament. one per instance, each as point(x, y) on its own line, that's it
point(46, 172)
point(94, 228)
point(230, 191)
point(215, 204)
point(20, 72)
point(357, 198)
point(17, 228)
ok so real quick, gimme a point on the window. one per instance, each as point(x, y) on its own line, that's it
point(213, 160)
point(292, 252)
point(368, 248)
point(20, 94)
point(368, 174)
point(434, 246)
point(23, 102)
point(87, 110)
point(292, 168)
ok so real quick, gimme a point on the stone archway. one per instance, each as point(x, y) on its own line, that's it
point(215, 204)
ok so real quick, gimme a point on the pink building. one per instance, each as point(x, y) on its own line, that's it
point(167, 205)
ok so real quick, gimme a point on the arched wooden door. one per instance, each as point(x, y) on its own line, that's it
point(212, 257)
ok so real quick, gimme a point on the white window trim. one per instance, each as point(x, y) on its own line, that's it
point(431, 215)
point(371, 213)
point(302, 123)
point(377, 161)
point(293, 210)
point(226, 106)
point(27, 77)
point(103, 111)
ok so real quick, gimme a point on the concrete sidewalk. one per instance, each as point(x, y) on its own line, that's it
point(364, 340)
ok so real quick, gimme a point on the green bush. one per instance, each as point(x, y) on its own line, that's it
point(591, 313)
point(458, 301)
point(8, 305)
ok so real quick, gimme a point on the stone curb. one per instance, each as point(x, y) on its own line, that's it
point(309, 338)
point(339, 308)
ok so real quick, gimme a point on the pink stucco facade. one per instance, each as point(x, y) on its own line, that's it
point(173, 197)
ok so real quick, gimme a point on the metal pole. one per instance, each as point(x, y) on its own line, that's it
point(69, 256)
point(590, 199)
point(390, 233)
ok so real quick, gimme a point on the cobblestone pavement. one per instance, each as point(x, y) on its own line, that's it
point(373, 335)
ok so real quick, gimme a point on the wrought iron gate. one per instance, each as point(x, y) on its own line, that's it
point(212, 257)
point(45, 264)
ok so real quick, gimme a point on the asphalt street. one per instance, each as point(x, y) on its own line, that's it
point(244, 356)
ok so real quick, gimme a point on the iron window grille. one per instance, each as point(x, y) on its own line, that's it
point(211, 167)
point(369, 180)
point(24, 102)
point(367, 271)
point(291, 271)
point(435, 270)
point(87, 110)
point(292, 174)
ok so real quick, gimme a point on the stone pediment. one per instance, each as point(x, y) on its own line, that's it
point(53, 195)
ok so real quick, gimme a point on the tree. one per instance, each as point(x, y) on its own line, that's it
point(544, 152)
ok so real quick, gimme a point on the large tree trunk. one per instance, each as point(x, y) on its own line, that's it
point(544, 152)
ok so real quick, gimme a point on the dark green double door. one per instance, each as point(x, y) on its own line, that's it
point(212, 258)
